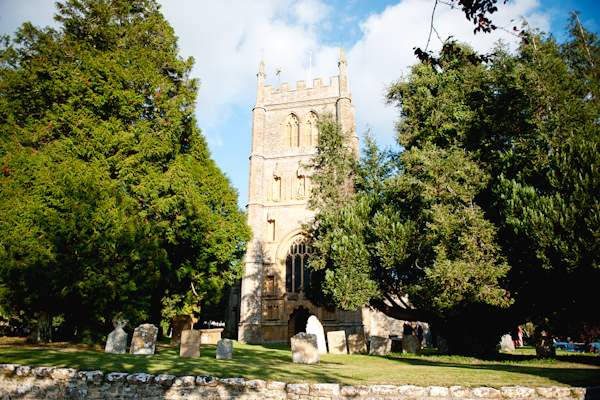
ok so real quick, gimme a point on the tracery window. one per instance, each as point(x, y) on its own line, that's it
point(312, 133)
point(296, 273)
point(291, 129)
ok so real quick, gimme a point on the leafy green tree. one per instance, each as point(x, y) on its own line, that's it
point(410, 241)
point(530, 121)
point(108, 195)
point(499, 166)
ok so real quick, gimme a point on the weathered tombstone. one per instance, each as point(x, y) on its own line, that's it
point(314, 326)
point(190, 343)
point(211, 336)
point(411, 344)
point(224, 349)
point(337, 342)
point(380, 346)
point(357, 344)
point(442, 345)
point(506, 343)
point(116, 343)
point(544, 346)
point(144, 339)
point(179, 324)
point(305, 348)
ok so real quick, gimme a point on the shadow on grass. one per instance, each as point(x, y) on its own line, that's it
point(571, 370)
point(274, 363)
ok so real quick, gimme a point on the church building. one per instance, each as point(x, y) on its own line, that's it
point(273, 307)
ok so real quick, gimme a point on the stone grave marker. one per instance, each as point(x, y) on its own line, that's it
point(190, 343)
point(506, 343)
point(179, 324)
point(211, 336)
point(337, 342)
point(411, 344)
point(380, 346)
point(224, 349)
point(305, 348)
point(442, 345)
point(144, 339)
point(357, 344)
point(116, 343)
point(314, 326)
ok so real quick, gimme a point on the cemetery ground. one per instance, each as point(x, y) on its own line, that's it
point(274, 363)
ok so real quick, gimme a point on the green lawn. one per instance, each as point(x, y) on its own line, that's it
point(274, 363)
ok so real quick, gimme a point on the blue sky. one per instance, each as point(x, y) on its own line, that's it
point(226, 37)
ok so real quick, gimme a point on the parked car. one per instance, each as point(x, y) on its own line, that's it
point(567, 346)
point(594, 347)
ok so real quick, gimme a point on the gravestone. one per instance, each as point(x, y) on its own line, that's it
point(305, 348)
point(506, 343)
point(380, 346)
point(224, 349)
point(314, 326)
point(116, 343)
point(179, 324)
point(544, 346)
point(144, 339)
point(211, 336)
point(411, 344)
point(442, 345)
point(337, 342)
point(357, 344)
point(190, 343)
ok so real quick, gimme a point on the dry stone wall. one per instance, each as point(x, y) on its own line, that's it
point(24, 382)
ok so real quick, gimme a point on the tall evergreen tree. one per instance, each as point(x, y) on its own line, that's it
point(108, 194)
point(499, 166)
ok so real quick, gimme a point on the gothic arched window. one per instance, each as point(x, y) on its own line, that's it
point(291, 132)
point(296, 274)
point(312, 133)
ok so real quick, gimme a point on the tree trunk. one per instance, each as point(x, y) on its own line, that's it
point(44, 327)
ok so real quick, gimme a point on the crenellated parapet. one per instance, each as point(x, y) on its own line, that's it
point(286, 96)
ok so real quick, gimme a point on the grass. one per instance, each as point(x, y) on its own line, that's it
point(273, 363)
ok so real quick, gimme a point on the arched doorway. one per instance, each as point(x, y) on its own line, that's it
point(297, 321)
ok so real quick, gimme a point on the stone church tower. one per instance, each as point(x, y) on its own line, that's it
point(284, 138)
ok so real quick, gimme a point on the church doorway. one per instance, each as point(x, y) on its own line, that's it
point(297, 321)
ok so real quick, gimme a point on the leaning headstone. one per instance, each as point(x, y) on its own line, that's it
point(116, 343)
point(411, 344)
point(144, 339)
point(357, 344)
point(224, 349)
point(190, 343)
point(314, 326)
point(380, 346)
point(305, 348)
point(179, 324)
point(337, 342)
point(506, 343)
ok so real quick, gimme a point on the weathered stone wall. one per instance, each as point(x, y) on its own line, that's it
point(23, 382)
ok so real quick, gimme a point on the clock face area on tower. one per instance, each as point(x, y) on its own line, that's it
point(285, 134)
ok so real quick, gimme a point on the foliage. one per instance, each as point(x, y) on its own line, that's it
point(531, 122)
point(108, 195)
point(410, 231)
point(499, 166)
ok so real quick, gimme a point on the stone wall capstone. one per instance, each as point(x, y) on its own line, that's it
point(58, 383)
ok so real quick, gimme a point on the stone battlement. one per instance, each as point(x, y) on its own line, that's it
point(302, 93)
point(25, 382)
